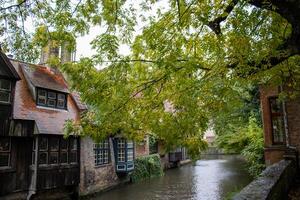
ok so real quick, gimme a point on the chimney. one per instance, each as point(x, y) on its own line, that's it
point(49, 51)
point(66, 55)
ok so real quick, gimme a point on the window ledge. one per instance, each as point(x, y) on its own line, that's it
point(275, 147)
point(56, 166)
point(53, 109)
point(104, 165)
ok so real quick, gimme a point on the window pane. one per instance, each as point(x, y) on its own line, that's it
point(278, 129)
point(51, 95)
point(43, 144)
point(64, 157)
point(121, 143)
point(42, 93)
point(73, 157)
point(121, 155)
point(5, 84)
point(53, 159)
point(60, 96)
point(275, 105)
point(129, 144)
point(73, 143)
point(4, 159)
point(4, 144)
point(60, 103)
point(53, 144)
point(51, 102)
point(64, 144)
point(130, 155)
point(43, 157)
point(4, 96)
point(42, 100)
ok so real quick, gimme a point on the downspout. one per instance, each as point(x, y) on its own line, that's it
point(33, 183)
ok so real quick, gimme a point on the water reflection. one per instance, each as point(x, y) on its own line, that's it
point(209, 179)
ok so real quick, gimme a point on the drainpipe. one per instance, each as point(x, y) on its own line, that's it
point(286, 130)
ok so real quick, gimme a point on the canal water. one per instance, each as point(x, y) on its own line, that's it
point(210, 178)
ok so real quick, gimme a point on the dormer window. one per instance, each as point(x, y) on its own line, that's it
point(51, 99)
point(5, 91)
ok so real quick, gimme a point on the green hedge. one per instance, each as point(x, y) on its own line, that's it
point(146, 167)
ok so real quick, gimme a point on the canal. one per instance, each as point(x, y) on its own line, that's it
point(210, 178)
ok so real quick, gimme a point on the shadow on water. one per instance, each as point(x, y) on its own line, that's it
point(210, 178)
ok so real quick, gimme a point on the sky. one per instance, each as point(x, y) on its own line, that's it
point(84, 49)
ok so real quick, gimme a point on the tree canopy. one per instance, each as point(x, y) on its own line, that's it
point(191, 59)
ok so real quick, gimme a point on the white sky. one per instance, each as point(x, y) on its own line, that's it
point(83, 43)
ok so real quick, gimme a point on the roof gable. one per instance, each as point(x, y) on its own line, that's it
point(6, 68)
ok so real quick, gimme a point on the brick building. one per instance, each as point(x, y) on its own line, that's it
point(281, 123)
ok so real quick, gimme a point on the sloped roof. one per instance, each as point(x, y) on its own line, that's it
point(40, 76)
point(10, 70)
point(81, 106)
point(48, 120)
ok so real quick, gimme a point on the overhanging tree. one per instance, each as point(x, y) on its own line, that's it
point(192, 59)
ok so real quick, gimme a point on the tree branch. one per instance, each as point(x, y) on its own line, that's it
point(215, 24)
point(14, 5)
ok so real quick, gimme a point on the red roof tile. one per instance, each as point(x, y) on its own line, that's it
point(42, 77)
point(48, 120)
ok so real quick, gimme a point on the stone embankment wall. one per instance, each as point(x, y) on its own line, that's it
point(273, 183)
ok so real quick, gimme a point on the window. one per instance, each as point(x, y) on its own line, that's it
point(5, 90)
point(278, 133)
point(5, 148)
point(73, 150)
point(129, 151)
point(43, 151)
point(64, 151)
point(55, 150)
point(42, 96)
point(125, 150)
point(51, 99)
point(61, 99)
point(101, 152)
point(121, 150)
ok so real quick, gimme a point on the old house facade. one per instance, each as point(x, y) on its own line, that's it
point(39, 158)
point(281, 123)
point(35, 157)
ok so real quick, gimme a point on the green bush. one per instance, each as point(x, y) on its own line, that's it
point(146, 167)
point(247, 140)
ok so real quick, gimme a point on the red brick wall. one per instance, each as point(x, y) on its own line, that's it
point(274, 153)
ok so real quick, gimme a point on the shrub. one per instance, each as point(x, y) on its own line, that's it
point(146, 167)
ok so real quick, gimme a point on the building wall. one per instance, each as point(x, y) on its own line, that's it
point(95, 178)
point(275, 153)
point(142, 149)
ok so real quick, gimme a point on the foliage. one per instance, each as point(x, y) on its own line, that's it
point(146, 167)
point(190, 61)
point(248, 141)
